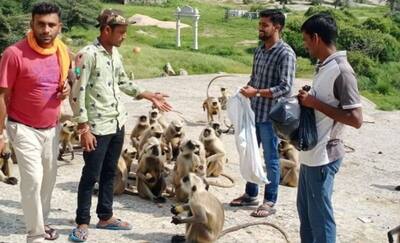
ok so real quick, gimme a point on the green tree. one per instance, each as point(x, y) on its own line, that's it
point(79, 12)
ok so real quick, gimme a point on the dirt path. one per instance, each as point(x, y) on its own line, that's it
point(364, 186)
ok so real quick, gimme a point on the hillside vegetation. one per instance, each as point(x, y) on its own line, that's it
point(370, 34)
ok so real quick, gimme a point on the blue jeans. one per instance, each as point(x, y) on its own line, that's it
point(314, 193)
point(267, 138)
point(100, 165)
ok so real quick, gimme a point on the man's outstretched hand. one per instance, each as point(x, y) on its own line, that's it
point(160, 102)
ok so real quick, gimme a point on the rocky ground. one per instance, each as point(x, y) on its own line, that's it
point(365, 202)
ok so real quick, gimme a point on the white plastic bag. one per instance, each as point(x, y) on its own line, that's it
point(243, 120)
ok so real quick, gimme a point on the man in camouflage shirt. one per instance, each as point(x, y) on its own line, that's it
point(96, 101)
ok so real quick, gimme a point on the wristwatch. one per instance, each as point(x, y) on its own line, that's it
point(258, 93)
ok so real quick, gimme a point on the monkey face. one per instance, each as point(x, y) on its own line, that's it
point(192, 183)
point(213, 103)
point(191, 146)
point(129, 154)
point(156, 129)
point(215, 125)
point(69, 126)
point(143, 120)
point(208, 133)
point(152, 148)
point(154, 114)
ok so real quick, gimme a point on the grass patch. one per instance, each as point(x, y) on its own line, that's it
point(228, 45)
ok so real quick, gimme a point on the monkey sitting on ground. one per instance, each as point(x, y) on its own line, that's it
point(206, 214)
point(121, 177)
point(66, 138)
point(156, 116)
point(215, 151)
point(173, 137)
point(150, 182)
point(289, 164)
point(155, 130)
point(6, 167)
point(223, 100)
point(128, 155)
point(192, 158)
point(138, 131)
point(213, 107)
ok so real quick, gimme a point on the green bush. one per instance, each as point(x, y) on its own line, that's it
point(361, 63)
point(382, 24)
point(391, 49)
point(371, 42)
point(339, 15)
point(295, 40)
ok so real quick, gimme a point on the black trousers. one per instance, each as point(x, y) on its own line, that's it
point(100, 165)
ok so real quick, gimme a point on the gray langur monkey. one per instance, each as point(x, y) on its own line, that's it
point(289, 164)
point(191, 158)
point(173, 137)
point(6, 167)
point(157, 116)
point(150, 181)
point(215, 151)
point(140, 127)
point(223, 99)
point(68, 129)
point(155, 130)
point(213, 108)
point(206, 214)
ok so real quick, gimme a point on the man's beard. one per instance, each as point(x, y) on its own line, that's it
point(263, 37)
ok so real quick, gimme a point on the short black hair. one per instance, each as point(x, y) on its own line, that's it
point(44, 8)
point(322, 24)
point(276, 16)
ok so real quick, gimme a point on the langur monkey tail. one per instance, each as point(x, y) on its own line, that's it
point(219, 184)
point(242, 226)
point(217, 77)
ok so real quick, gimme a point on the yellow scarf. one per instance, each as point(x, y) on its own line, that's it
point(58, 47)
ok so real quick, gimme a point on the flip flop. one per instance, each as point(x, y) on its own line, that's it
point(82, 237)
point(117, 224)
point(243, 200)
point(264, 210)
point(51, 234)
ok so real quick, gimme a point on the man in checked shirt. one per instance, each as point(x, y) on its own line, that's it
point(272, 77)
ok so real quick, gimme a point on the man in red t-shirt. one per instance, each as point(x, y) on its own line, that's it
point(32, 85)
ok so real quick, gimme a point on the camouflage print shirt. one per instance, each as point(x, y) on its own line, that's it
point(96, 92)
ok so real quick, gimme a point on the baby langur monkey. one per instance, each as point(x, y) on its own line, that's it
point(67, 134)
point(205, 213)
point(215, 151)
point(289, 164)
point(192, 158)
point(173, 137)
point(213, 107)
point(223, 99)
point(138, 131)
point(150, 182)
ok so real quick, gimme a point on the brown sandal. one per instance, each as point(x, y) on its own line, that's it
point(50, 233)
point(264, 210)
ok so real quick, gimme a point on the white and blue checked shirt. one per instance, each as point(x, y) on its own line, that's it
point(273, 69)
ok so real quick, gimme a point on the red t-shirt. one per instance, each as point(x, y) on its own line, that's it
point(32, 80)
